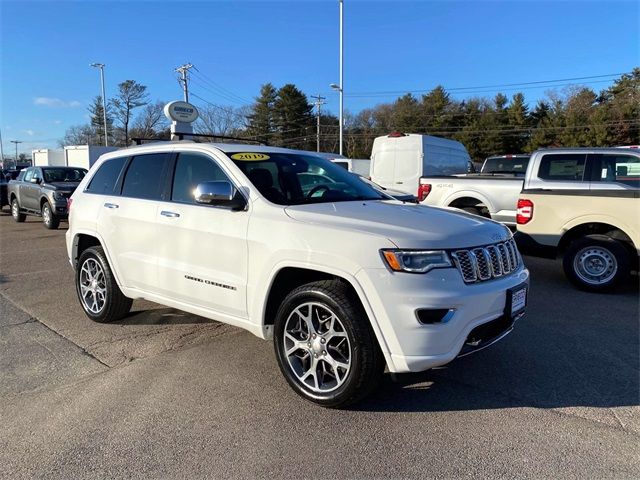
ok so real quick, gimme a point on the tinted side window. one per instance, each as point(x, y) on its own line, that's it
point(568, 167)
point(106, 177)
point(192, 169)
point(618, 168)
point(144, 178)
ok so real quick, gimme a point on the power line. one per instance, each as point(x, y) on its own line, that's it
point(480, 89)
point(219, 87)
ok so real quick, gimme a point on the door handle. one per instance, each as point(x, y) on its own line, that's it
point(111, 205)
point(165, 213)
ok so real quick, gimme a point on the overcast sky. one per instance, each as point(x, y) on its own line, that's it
point(390, 46)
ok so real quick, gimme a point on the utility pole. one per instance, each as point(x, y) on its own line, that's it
point(318, 103)
point(183, 70)
point(16, 142)
point(104, 102)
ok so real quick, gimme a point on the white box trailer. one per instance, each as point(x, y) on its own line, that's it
point(45, 157)
point(399, 160)
point(360, 166)
point(84, 156)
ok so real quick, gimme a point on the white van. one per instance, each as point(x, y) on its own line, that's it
point(399, 160)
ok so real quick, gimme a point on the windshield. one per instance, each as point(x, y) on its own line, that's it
point(63, 174)
point(295, 179)
point(505, 165)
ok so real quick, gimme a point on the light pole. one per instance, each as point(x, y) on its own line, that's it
point(340, 88)
point(104, 102)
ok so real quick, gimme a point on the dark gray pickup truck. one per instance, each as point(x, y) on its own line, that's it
point(43, 191)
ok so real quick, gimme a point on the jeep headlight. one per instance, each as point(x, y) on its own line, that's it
point(415, 261)
point(59, 196)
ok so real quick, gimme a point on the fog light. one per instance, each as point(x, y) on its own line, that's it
point(429, 316)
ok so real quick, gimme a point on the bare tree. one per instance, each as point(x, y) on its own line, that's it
point(131, 95)
point(77, 135)
point(221, 120)
point(150, 122)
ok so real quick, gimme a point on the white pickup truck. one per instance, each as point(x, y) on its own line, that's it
point(496, 195)
point(342, 278)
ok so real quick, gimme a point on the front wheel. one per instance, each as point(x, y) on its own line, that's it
point(596, 263)
point(15, 211)
point(325, 346)
point(98, 292)
point(50, 220)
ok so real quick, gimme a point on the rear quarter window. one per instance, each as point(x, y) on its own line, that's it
point(105, 179)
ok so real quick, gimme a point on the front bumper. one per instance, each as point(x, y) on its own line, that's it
point(412, 346)
point(60, 208)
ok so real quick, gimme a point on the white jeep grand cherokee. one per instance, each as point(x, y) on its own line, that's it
point(292, 247)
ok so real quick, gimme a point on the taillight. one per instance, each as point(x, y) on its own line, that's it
point(424, 189)
point(524, 214)
point(69, 201)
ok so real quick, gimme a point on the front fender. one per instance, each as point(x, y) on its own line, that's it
point(261, 306)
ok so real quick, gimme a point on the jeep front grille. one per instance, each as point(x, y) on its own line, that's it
point(484, 263)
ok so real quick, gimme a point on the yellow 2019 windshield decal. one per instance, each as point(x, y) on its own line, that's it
point(250, 157)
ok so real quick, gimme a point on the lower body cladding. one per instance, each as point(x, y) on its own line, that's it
point(427, 320)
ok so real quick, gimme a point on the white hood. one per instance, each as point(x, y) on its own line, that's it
point(406, 225)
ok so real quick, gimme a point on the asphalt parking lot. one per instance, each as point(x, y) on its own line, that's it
point(168, 394)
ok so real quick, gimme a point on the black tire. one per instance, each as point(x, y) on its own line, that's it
point(605, 253)
point(115, 304)
point(15, 211)
point(472, 210)
point(49, 219)
point(366, 360)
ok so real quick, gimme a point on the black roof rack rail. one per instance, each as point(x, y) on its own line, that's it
point(181, 136)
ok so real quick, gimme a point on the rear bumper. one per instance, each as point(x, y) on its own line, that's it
point(529, 246)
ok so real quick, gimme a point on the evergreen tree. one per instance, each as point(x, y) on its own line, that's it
point(518, 117)
point(406, 115)
point(436, 110)
point(96, 111)
point(293, 119)
point(261, 120)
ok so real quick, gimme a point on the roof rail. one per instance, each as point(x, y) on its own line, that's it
point(181, 136)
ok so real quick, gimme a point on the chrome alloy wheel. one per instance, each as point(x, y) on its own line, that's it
point(595, 265)
point(15, 211)
point(317, 347)
point(46, 214)
point(93, 288)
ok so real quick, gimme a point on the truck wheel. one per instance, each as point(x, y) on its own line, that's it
point(596, 263)
point(325, 346)
point(49, 218)
point(15, 211)
point(98, 292)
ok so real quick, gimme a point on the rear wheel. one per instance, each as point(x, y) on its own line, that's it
point(596, 263)
point(15, 211)
point(98, 292)
point(325, 346)
point(50, 220)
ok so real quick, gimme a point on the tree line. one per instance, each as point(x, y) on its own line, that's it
point(575, 117)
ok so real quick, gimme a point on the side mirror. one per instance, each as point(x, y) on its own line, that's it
point(221, 194)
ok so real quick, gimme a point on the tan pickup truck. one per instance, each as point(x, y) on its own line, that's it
point(596, 228)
